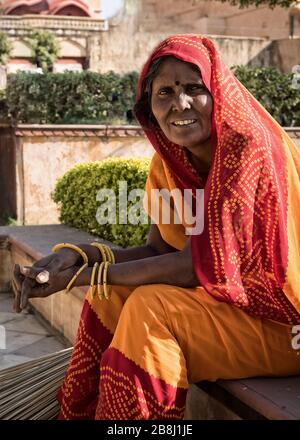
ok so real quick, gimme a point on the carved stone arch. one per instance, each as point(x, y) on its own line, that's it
point(21, 49)
point(69, 47)
point(21, 7)
point(70, 7)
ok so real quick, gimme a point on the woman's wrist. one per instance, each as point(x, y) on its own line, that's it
point(71, 254)
point(84, 278)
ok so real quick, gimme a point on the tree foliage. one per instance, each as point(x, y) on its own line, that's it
point(5, 48)
point(45, 48)
point(270, 3)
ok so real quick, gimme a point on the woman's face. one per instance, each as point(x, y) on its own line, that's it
point(181, 104)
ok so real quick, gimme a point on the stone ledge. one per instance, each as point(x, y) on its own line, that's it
point(105, 131)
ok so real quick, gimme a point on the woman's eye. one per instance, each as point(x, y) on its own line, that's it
point(163, 92)
point(196, 88)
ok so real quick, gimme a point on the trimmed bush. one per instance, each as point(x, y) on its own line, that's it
point(274, 90)
point(76, 194)
point(71, 97)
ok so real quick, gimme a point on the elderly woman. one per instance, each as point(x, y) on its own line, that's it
point(217, 304)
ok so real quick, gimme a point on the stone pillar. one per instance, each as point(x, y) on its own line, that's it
point(94, 52)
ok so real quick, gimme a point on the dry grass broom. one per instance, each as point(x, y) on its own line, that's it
point(28, 391)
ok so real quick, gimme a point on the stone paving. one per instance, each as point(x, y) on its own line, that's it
point(23, 336)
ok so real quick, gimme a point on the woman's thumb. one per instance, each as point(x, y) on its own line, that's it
point(39, 274)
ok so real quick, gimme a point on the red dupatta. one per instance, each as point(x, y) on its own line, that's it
point(248, 253)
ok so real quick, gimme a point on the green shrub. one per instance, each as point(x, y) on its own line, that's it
point(274, 91)
point(71, 97)
point(76, 194)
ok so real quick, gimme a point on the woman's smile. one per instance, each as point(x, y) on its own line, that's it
point(184, 123)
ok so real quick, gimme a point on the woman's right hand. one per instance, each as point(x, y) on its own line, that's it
point(26, 288)
point(25, 278)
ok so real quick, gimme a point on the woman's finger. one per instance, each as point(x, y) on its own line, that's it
point(50, 269)
point(17, 292)
point(17, 276)
point(27, 285)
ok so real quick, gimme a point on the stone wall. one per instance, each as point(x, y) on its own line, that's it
point(214, 18)
point(131, 51)
point(34, 157)
point(127, 46)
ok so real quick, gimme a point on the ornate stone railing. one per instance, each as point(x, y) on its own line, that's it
point(15, 25)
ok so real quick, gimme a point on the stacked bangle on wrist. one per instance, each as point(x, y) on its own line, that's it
point(80, 252)
point(103, 289)
point(107, 256)
point(105, 251)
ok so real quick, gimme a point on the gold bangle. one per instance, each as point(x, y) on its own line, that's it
point(92, 283)
point(75, 276)
point(74, 248)
point(106, 252)
point(106, 289)
point(100, 247)
point(112, 257)
point(99, 281)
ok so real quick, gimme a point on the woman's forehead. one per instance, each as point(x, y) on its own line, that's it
point(174, 70)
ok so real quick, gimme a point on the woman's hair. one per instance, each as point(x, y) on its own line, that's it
point(143, 106)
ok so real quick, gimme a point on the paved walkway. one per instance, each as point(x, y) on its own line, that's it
point(23, 336)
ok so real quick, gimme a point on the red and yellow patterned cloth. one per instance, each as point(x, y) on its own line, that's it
point(249, 252)
point(136, 354)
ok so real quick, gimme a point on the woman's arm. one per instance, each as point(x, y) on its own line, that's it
point(155, 246)
point(175, 268)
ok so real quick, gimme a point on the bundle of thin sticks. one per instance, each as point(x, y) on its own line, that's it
point(28, 391)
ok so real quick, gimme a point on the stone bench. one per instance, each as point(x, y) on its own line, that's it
point(250, 399)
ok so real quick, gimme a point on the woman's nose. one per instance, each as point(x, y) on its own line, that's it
point(182, 102)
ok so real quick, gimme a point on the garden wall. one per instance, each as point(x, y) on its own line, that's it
point(34, 157)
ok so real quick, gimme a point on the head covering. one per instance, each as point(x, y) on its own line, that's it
point(248, 253)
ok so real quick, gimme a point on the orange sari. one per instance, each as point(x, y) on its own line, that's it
point(136, 354)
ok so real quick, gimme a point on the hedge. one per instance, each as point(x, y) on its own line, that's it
point(274, 90)
point(93, 98)
point(71, 97)
point(76, 195)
